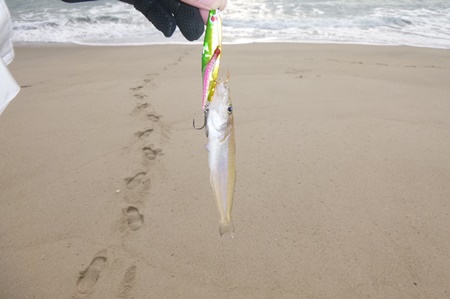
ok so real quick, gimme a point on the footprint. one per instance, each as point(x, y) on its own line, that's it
point(145, 133)
point(139, 107)
point(150, 77)
point(89, 277)
point(135, 181)
point(153, 117)
point(140, 96)
point(126, 286)
point(137, 87)
point(135, 219)
point(150, 153)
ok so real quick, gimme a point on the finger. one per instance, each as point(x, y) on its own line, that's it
point(189, 20)
point(158, 15)
point(223, 5)
point(207, 4)
point(205, 14)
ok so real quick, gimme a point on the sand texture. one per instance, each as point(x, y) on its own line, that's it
point(343, 174)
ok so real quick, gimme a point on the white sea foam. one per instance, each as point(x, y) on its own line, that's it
point(386, 22)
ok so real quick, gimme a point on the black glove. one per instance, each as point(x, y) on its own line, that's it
point(165, 15)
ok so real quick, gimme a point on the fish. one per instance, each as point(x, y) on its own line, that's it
point(222, 155)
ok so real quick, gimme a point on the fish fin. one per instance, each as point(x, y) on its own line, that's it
point(226, 227)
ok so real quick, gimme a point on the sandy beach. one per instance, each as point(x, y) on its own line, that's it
point(343, 174)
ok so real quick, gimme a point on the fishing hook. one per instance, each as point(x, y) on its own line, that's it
point(205, 120)
point(226, 80)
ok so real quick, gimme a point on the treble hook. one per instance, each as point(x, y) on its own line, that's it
point(228, 77)
point(226, 80)
point(205, 120)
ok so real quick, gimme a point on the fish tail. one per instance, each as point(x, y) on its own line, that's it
point(226, 227)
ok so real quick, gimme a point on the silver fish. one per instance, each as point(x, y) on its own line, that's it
point(222, 154)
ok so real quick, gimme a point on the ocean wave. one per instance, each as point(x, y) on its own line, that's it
point(245, 21)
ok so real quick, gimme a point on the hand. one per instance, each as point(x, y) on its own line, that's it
point(206, 5)
point(189, 15)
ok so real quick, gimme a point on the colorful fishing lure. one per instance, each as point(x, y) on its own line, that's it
point(212, 48)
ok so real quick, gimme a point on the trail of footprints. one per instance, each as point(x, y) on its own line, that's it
point(139, 183)
point(136, 190)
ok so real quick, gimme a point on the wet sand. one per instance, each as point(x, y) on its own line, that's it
point(343, 172)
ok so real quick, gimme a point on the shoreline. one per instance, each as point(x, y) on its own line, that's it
point(225, 43)
point(342, 174)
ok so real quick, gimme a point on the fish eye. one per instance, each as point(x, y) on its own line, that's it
point(230, 109)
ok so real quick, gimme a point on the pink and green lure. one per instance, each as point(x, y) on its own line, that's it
point(212, 48)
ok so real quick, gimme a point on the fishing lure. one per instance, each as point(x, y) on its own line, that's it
point(212, 49)
point(208, 79)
